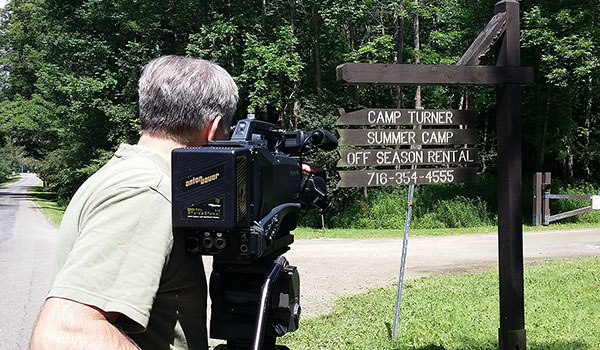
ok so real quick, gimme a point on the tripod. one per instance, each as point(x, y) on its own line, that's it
point(254, 304)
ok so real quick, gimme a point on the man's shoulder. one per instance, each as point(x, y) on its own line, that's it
point(137, 165)
point(132, 167)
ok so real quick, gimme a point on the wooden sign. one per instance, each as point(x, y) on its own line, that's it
point(373, 178)
point(383, 116)
point(394, 157)
point(379, 137)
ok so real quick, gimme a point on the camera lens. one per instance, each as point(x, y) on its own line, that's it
point(220, 243)
point(207, 242)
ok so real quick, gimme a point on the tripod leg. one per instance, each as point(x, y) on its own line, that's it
point(263, 307)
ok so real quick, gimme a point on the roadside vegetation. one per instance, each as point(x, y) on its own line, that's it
point(8, 179)
point(47, 201)
point(439, 209)
point(562, 303)
point(54, 210)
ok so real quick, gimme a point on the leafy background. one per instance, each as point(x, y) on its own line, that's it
point(68, 87)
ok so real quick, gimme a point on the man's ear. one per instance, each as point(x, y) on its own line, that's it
point(214, 127)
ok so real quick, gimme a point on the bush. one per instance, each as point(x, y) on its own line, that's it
point(385, 208)
point(456, 213)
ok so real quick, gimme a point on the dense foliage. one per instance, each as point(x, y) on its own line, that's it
point(68, 88)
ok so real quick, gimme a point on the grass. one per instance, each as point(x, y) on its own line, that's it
point(461, 312)
point(47, 201)
point(309, 233)
point(9, 180)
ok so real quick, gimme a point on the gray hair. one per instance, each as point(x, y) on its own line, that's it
point(179, 96)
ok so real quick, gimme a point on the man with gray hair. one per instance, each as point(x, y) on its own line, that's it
point(121, 279)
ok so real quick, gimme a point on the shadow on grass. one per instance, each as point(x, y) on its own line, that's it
point(37, 192)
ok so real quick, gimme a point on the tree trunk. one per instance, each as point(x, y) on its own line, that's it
point(586, 134)
point(317, 44)
point(485, 143)
point(399, 23)
point(569, 161)
point(293, 6)
point(542, 149)
point(296, 84)
point(352, 36)
point(263, 16)
point(417, 51)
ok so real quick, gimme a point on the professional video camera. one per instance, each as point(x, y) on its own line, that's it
point(238, 201)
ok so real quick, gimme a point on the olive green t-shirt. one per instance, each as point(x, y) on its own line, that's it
point(117, 252)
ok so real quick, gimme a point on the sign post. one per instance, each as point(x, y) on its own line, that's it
point(507, 76)
point(511, 334)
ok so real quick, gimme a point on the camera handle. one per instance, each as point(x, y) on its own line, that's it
point(265, 294)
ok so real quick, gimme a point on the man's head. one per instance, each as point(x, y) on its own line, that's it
point(179, 97)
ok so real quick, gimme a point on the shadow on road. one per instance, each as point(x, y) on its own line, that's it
point(15, 195)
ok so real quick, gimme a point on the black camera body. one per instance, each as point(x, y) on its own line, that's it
point(238, 201)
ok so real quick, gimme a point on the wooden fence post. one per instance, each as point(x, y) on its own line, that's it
point(537, 199)
point(546, 188)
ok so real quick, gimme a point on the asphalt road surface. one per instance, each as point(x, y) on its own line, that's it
point(329, 268)
point(27, 244)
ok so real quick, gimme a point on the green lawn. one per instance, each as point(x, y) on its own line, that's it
point(461, 312)
point(47, 201)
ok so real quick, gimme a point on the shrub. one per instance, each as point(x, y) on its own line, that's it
point(455, 213)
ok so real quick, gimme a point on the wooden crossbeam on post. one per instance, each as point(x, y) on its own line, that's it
point(425, 74)
point(488, 36)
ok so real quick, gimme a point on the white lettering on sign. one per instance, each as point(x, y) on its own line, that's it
point(389, 157)
point(449, 156)
point(357, 158)
point(436, 137)
point(411, 177)
point(384, 117)
point(430, 117)
point(596, 202)
point(390, 137)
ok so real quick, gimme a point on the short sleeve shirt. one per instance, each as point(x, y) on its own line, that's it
point(117, 252)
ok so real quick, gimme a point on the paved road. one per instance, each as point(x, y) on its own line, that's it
point(27, 243)
point(328, 267)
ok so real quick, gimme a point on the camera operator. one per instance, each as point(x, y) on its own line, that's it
point(121, 279)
